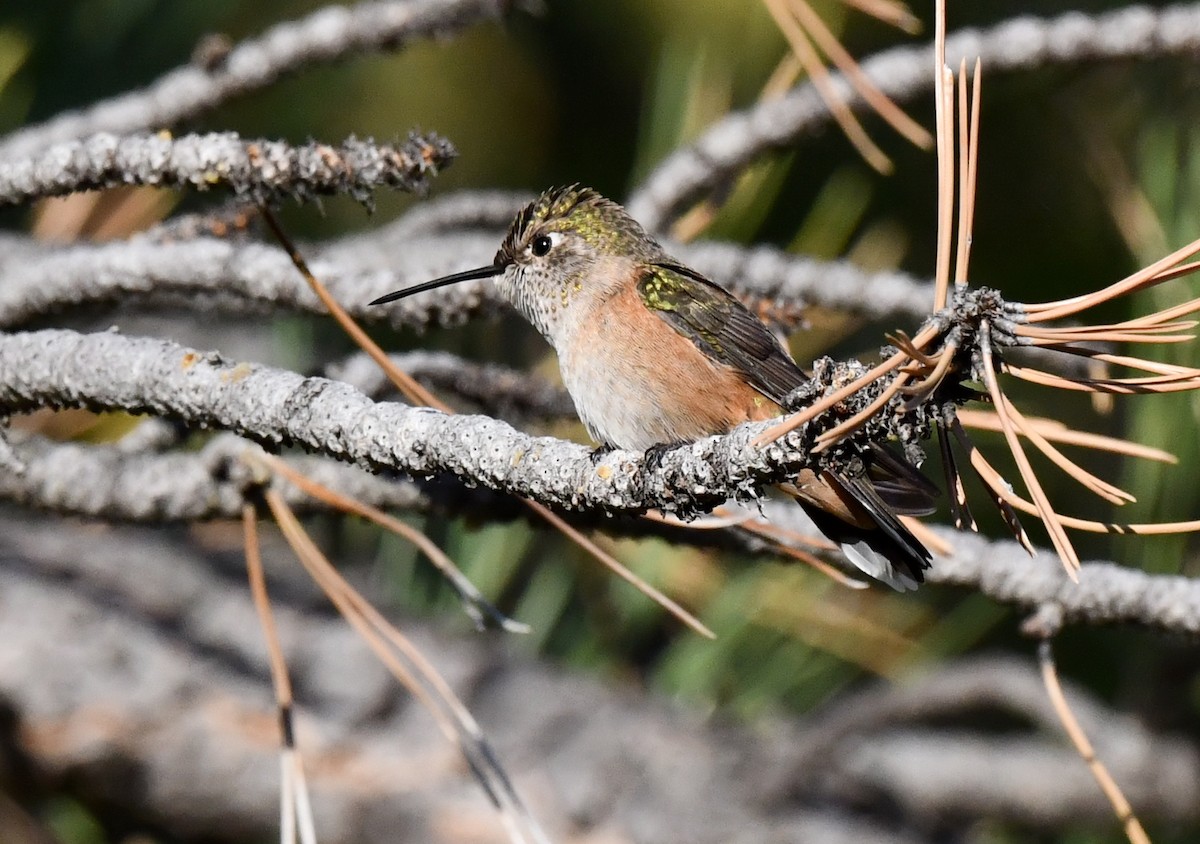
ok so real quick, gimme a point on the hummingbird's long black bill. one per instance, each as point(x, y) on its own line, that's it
point(466, 275)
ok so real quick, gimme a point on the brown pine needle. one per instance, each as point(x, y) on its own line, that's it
point(834, 574)
point(1058, 536)
point(331, 583)
point(1099, 486)
point(477, 607)
point(995, 482)
point(926, 536)
point(616, 567)
point(262, 604)
point(944, 112)
point(715, 522)
point(782, 78)
point(295, 805)
point(1125, 815)
point(823, 82)
point(1146, 277)
point(817, 408)
point(1158, 384)
point(876, 99)
point(784, 541)
point(904, 343)
point(933, 380)
point(969, 167)
point(692, 224)
point(964, 238)
point(410, 667)
point(1115, 383)
point(1130, 337)
point(890, 12)
point(1178, 272)
point(789, 537)
point(778, 538)
point(404, 382)
point(1125, 360)
point(1191, 306)
point(1101, 332)
point(1055, 431)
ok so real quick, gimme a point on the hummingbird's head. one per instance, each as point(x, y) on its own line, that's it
point(569, 249)
point(573, 222)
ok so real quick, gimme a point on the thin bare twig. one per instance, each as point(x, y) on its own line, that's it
point(411, 668)
point(1129, 821)
point(295, 805)
point(480, 610)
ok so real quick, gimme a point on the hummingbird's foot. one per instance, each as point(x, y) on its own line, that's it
point(600, 451)
point(656, 453)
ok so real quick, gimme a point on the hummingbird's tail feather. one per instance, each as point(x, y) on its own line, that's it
point(900, 484)
point(869, 561)
point(854, 514)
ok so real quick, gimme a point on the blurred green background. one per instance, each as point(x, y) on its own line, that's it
point(1086, 173)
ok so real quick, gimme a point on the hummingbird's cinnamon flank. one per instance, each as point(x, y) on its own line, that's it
point(654, 353)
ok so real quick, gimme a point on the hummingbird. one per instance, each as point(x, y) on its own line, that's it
point(655, 355)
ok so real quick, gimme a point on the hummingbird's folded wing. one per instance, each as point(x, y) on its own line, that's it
point(858, 512)
point(721, 327)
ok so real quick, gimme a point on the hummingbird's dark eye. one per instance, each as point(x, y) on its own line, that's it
point(541, 245)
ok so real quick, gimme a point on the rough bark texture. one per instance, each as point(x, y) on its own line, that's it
point(257, 170)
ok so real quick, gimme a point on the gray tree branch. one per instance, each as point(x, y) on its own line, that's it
point(324, 36)
point(109, 483)
point(1021, 43)
point(258, 170)
point(496, 390)
point(111, 372)
point(243, 276)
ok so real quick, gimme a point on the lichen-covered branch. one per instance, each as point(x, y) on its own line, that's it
point(463, 211)
point(258, 170)
point(324, 36)
point(112, 372)
point(1107, 593)
point(243, 276)
point(108, 371)
point(114, 483)
point(107, 482)
point(1022, 43)
point(497, 390)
